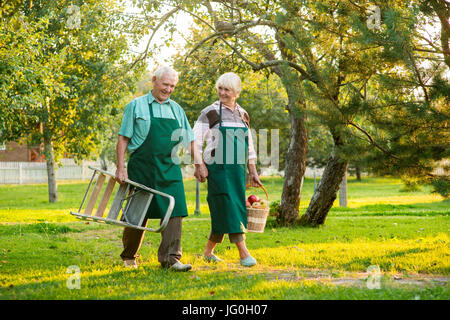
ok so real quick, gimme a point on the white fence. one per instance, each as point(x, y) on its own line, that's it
point(36, 172)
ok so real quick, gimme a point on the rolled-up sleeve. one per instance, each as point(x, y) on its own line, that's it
point(188, 133)
point(251, 147)
point(201, 129)
point(127, 127)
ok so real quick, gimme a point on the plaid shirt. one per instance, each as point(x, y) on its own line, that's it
point(202, 131)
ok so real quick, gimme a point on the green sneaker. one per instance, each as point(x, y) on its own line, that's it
point(248, 262)
point(213, 258)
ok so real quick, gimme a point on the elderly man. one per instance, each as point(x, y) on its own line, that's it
point(147, 127)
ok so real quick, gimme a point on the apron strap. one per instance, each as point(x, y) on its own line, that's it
point(220, 115)
point(240, 116)
point(171, 108)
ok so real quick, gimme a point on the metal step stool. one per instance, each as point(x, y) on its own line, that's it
point(129, 206)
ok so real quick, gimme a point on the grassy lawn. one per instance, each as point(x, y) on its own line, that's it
point(405, 234)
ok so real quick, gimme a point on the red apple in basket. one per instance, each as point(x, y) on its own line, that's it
point(247, 203)
point(252, 198)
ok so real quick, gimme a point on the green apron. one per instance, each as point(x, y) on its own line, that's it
point(226, 183)
point(151, 165)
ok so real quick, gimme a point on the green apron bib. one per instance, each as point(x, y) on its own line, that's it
point(226, 183)
point(151, 165)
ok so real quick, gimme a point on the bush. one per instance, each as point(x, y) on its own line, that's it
point(442, 186)
point(410, 186)
point(274, 206)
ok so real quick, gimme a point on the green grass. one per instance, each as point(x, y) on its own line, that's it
point(406, 234)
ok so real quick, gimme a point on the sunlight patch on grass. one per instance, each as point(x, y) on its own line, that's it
point(9, 216)
point(421, 255)
point(399, 200)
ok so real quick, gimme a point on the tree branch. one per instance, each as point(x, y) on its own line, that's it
point(419, 77)
point(269, 64)
point(255, 66)
point(372, 141)
point(163, 20)
point(219, 34)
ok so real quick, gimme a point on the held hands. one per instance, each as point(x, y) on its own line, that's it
point(201, 172)
point(121, 175)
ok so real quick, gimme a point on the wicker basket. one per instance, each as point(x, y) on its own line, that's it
point(256, 218)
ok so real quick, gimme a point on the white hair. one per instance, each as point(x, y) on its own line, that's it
point(165, 70)
point(230, 80)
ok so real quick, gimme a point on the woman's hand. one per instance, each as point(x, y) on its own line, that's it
point(254, 180)
point(253, 177)
point(201, 172)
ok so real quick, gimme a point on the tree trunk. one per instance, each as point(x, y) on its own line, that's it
point(326, 192)
point(288, 211)
point(343, 192)
point(51, 170)
point(295, 164)
point(358, 173)
point(441, 10)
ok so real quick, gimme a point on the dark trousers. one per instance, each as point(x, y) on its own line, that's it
point(169, 251)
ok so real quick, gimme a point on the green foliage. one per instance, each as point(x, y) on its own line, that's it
point(274, 205)
point(63, 74)
point(410, 186)
point(407, 102)
point(442, 186)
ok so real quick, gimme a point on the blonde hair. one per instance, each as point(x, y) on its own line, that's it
point(230, 80)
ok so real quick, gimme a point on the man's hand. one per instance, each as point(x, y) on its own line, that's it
point(201, 172)
point(121, 175)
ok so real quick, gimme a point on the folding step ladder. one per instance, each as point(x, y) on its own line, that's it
point(132, 200)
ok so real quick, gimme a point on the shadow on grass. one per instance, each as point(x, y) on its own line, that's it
point(365, 262)
point(147, 282)
point(153, 283)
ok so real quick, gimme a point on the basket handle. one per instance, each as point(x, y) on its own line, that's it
point(262, 187)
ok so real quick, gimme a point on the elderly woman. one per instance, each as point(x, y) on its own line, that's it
point(229, 151)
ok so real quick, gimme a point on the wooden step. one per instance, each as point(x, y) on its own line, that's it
point(131, 200)
point(106, 196)
point(95, 193)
